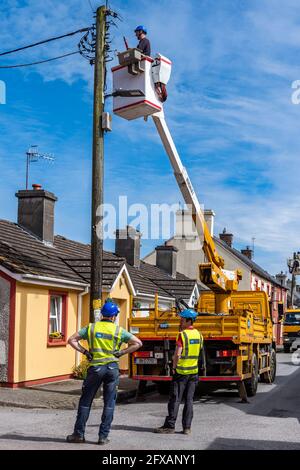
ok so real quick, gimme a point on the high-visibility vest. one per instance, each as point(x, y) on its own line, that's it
point(104, 338)
point(192, 341)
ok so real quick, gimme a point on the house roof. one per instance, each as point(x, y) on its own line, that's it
point(179, 287)
point(23, 253)
point(252, 265)
point(244, 259)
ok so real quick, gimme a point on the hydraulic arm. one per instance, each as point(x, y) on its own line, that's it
point(212, 274)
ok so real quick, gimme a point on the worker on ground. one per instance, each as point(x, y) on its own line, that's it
point(185, 374)
point(104, 338)
point(144, 43)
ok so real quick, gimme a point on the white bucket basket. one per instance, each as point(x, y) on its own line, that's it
point(133, 107)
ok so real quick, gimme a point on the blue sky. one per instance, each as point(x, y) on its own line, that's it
point(229, 111)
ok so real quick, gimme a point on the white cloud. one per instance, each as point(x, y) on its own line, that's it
point(229, 106)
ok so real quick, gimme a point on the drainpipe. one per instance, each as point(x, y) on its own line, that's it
point(79, 317)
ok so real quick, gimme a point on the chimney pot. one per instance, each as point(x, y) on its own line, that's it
point(36, 187)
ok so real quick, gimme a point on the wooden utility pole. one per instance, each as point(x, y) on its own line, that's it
point(98, 167)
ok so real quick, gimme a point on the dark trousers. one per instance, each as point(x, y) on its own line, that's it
point(183, 386)
point(109, 376)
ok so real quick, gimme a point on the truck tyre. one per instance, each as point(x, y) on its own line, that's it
point(251, 384)
point(269, 377)
point(286, 348)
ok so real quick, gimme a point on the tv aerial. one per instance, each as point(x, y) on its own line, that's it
point(33, 156)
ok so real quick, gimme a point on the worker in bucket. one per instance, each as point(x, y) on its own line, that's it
point(185, 374)
point(144, 43)
point(104, 338)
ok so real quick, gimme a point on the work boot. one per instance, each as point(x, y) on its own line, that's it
point(186, 431)
point(163, 430)
point(75, 438)
point(103, 440)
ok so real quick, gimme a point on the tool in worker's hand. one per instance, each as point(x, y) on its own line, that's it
point(126, 43)
point(118, 354)
point(88, 355)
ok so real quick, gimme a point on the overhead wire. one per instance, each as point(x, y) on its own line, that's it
point(45, 41)
point(38, 62)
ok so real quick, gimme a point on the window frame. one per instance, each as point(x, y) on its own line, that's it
point(64, 319)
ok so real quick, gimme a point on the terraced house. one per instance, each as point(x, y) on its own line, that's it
point(44, 290)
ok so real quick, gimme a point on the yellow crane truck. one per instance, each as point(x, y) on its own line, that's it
point(236, 325)
point(291, 328)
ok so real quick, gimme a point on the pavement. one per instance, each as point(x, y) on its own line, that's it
point(62, 395)
point(270, 421)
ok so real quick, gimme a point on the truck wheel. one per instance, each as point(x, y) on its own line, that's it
point(251, 384)
point(269, 377)
point(286, 348)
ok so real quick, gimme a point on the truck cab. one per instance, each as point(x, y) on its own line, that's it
point(291, 328)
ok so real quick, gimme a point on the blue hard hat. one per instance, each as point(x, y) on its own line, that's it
point(189, 314)
point(141, 27)
point(110, 309)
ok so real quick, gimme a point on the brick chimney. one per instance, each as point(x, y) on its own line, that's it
point(36, 212)
point(226, 237)
point(128, 245)
point(247, 252)
point(166, 259)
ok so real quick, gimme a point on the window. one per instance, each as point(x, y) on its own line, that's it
point(55, 314)
point(57, 318)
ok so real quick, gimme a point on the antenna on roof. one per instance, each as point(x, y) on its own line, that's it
point(33, 156)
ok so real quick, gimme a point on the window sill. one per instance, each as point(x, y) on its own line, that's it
point(56, 342)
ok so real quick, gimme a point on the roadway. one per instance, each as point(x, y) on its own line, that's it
point(270, 421)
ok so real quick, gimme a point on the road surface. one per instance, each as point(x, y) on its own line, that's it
point(270, 421)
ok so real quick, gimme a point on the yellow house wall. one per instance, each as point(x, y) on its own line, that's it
point(121, 294)
point(33, 358)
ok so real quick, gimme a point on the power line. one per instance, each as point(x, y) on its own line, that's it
point(39, 62)
point(45, 41)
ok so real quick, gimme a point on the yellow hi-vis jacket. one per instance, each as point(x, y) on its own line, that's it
point(104, 338)
point(192, 341)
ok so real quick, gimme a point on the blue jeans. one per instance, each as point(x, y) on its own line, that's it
point(109, 376)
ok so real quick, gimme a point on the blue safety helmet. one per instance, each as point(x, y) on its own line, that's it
point(141, 27)
point(110, 309)
point(189, 314)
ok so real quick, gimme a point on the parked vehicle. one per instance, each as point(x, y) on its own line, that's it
point(237, 326)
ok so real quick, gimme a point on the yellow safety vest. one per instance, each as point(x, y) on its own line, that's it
point(104, 338)
point(192, 341)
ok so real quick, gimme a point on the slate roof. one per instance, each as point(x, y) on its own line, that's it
point(22, 253)
point(252, 265)
point(179, 287)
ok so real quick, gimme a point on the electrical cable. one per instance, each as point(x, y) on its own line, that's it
point(39, 62)
point(45, 41)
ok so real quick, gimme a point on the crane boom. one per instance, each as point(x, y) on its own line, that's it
point(211, 273)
